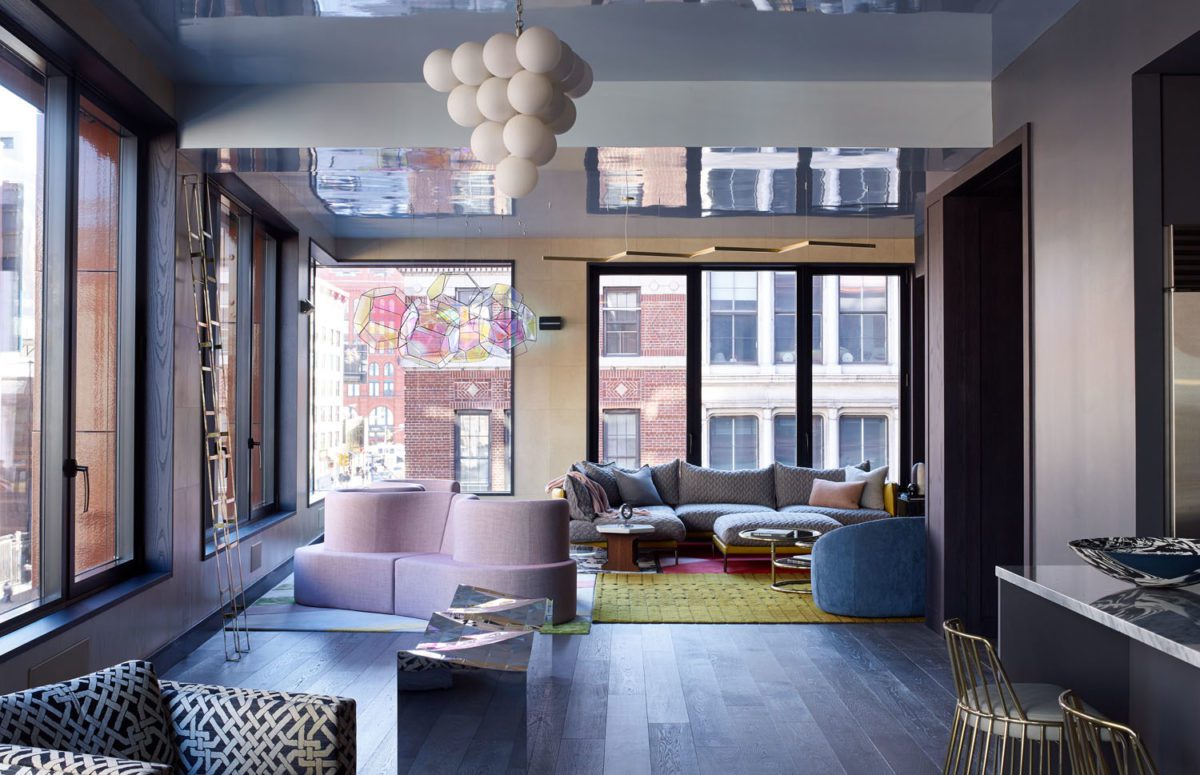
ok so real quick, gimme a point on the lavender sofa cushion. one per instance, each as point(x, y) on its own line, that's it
point(386, 521)
point(511, 532)
point(359, 581)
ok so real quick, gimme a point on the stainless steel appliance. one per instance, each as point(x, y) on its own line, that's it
point(1183, 380)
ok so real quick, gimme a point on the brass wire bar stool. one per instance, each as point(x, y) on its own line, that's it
point(1097, 746)
point(999, 727)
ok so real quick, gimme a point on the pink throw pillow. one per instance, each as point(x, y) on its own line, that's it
point(836, 495)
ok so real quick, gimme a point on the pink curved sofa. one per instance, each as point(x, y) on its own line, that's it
point(406, 553)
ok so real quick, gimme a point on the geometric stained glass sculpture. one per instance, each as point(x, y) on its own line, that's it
point(464, 324)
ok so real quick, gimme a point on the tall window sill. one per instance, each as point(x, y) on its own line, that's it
point(59, 621)
point(248, 529)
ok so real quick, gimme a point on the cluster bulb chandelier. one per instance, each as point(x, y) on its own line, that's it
point(516, 92)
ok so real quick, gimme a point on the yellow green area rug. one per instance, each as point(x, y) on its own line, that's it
point(711, 598)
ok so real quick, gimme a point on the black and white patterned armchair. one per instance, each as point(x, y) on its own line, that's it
point(123, 720)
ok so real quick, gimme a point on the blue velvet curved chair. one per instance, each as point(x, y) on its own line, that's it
point(873, 569)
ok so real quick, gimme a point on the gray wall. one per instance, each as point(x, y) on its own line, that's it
point(1074, 87)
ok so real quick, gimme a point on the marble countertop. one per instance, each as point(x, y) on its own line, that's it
point(1164, 619)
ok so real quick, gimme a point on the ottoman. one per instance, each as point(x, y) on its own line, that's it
point(726, 529)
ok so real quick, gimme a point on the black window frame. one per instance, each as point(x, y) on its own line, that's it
point(73, 71)
point(693, 275)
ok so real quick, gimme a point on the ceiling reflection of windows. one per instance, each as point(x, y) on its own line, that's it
point(405, 182)
point(642, 177)
point(855, 179)
point(704, 182)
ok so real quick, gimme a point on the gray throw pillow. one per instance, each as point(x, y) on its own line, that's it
point(793, 485)
point(872, 494)
point(708, 485)
point(637, 487)
point(601, 473)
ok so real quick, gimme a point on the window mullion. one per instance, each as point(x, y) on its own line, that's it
point(243, 358)
point(56, 338)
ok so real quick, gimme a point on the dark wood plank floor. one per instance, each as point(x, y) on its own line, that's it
point(659, 698)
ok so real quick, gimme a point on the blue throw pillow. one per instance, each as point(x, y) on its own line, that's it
point(637, 487)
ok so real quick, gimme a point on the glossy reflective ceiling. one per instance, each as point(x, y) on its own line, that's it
point(363, 41)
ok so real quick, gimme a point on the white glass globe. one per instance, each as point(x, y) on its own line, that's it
point(547, 151)
point(437, 71)
point(515, 176)
point(575, 77)
point(529, 92)
point(538, 49)
point(462, 108)
point(524, 136)
point(492, 100)
point(467, 63)
point(584, 85)
point(565, 121)
point(554, 108)
point(566, 62)
point(500, 55)
point(487, 142)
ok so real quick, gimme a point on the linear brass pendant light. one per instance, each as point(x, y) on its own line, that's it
point(808, 243)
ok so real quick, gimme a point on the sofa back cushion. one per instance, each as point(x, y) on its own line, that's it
point(793, 485)
point(666, 481)
point(116, 712)
point(510, 532)
point(385, 521)
point(708, 485)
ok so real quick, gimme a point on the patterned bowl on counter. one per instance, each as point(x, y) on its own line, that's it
point(1147, 562)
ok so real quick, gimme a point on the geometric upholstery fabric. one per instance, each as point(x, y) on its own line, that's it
point(226, 730)
point(22, 760)
point(579, 500)
point(793, 485)
point(843, 516)
point(116, 712)
point(728, 526)
point(700, 517)
point(667, 526)
point(602, 476)
point(707, 485)
point(666, 481)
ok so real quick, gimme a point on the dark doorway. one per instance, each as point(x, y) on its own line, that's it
point(978, 376)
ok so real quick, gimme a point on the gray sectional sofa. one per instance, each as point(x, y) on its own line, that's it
point(703, 504)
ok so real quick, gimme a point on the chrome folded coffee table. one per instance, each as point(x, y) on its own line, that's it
point(461, 692)
point(802, 562)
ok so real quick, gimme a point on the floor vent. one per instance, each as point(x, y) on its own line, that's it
point(1185, 258)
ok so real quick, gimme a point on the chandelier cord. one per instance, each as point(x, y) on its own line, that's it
point(520, 25)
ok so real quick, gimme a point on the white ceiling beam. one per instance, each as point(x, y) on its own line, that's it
point(924, 114)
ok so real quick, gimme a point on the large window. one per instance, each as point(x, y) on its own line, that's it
point(622, 321)
point(622, 437)
point(246, 295)
point(472, 451)
point(432, 410)
point(734, 443)
point(862, 319)
point(709, 392)
point(863, 438)
point(641, 348)
point(67, 339)
point(733, 317)
point(785, 317)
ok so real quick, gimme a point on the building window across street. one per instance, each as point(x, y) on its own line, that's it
point(734, 443)
point(622, 437)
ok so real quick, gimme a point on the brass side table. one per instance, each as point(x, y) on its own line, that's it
point(801, 538)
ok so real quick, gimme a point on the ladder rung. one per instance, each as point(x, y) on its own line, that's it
point(218, 434)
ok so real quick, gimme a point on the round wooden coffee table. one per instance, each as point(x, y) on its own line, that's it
point(802, 538)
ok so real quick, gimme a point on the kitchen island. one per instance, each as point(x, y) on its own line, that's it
point(1132, 652)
